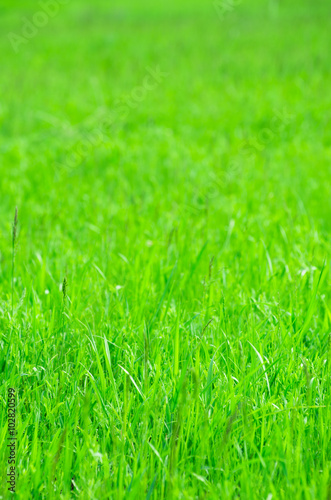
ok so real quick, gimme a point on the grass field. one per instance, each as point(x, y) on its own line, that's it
point(170, 163)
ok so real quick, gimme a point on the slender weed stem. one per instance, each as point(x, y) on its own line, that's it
point(14, 241)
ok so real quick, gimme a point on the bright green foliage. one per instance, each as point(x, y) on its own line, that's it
point(171, 162)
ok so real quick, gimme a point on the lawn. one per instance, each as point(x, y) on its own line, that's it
point(165, 287)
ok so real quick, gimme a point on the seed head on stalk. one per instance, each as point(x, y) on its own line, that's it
point(14, 239)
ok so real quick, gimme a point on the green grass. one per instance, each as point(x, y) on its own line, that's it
point(190, 356)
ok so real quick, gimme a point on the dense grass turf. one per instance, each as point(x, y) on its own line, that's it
point(190, 213)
